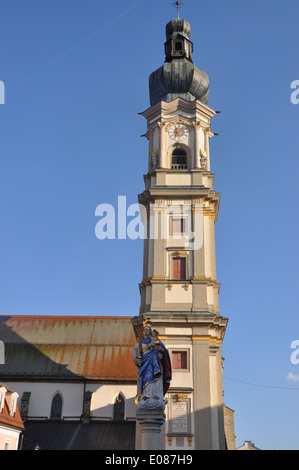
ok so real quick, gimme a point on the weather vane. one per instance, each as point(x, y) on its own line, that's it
point(178, 5)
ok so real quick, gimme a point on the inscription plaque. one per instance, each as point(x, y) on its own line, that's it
point(180, 417)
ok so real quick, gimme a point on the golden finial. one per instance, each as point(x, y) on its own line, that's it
point(178, 5)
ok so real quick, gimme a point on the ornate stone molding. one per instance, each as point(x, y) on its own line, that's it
point(197, 124)
point(211, 339)
point(162, 125)
point(178, 121)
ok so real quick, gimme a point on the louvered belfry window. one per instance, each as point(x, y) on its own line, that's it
point(179, 159)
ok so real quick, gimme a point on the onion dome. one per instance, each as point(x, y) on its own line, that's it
point(178, 77)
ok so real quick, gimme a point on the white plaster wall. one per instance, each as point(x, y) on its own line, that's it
point(210, 295)
point(150, 255)
point(148, 294)
point(43, 393)
point(104, 396)
point(207, 247)
point(11, 435)
point(101, 403)
point(183, 179)
point(178, 294)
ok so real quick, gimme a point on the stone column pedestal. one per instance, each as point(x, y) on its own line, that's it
point(150, 421)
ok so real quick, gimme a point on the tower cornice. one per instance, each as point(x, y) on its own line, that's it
point(191, 109)
point(213, 324)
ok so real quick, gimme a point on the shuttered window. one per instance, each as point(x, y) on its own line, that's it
point(179, 360)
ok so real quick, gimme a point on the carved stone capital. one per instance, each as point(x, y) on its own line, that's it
point(206, 130)
point(162, 125)
point(197, 124)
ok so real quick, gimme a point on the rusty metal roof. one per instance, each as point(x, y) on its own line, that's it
point(68, 347)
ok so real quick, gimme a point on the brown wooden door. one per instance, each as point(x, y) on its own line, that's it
point(179, 268)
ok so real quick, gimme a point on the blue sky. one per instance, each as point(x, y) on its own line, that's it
point(76, 77)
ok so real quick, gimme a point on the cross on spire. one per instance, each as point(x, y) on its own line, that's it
point(178, 5)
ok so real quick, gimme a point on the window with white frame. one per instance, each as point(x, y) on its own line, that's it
point(179, 223)
point(7, 444)
point(180, 359)
point(2, 398)
point(13, 404)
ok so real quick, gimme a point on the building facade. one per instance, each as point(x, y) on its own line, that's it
point(75, 376)
point(11, 425)
point(179, 289)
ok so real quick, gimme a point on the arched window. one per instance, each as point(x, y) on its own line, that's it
point(179, 159)
point(178, 46)
point(119, 408)
point(56, 407)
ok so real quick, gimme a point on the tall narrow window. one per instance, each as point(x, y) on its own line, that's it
point(13, 404)
point(2, 398)
point(56, 408)
point(179, 268)
point(119, 408)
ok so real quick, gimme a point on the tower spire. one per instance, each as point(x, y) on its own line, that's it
point(178, 77)
point(178, 5)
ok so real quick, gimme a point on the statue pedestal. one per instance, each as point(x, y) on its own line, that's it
point(150, 417)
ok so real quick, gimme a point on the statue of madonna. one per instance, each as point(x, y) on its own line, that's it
point(153, 362)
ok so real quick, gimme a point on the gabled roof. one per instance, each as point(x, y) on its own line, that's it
point(68, 348)
point(5, 418)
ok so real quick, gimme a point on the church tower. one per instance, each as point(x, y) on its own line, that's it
point(179, 290)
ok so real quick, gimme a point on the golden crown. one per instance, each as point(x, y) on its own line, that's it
point(147, 323)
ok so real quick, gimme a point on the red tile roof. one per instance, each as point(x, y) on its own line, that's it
point(5, 417)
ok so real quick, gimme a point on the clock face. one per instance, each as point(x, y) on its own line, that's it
point(179, 132)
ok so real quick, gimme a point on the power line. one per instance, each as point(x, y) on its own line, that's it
point(261, 385)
